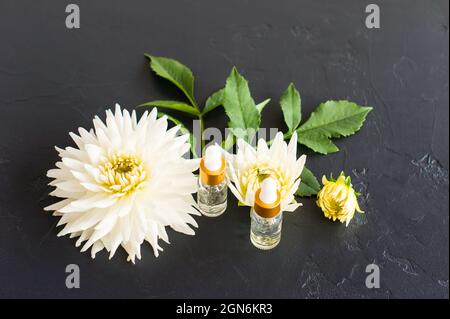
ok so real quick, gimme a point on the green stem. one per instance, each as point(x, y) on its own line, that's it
point(287, 135)
point(202, 128)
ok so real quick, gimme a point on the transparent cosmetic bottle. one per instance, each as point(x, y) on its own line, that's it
point(212, 187)
point(266, 217)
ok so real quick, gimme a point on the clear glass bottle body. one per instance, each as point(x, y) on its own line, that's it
point(265, 233)
point(212, 199)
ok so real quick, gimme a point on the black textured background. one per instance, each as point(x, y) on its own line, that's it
point(53, 80)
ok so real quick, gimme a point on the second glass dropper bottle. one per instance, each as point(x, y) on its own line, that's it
point(266, 216)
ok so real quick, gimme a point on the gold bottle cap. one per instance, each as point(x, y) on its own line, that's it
point(267, 210)
point(212, 177)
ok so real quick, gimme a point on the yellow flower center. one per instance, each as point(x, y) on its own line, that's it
point(253, 177)
point(123, 174)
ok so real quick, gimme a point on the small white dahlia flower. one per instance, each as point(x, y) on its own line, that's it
point(249, 167)
point(124, 183)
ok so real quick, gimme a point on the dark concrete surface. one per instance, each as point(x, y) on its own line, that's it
point(53, 80)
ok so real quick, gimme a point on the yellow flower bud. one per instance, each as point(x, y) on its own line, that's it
point(338, 200)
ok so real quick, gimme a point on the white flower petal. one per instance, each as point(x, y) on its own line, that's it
point(292, 207)
point(88, 202)
point(95, 153)
point(183, 228)
point(236, 193)
point(58, 205)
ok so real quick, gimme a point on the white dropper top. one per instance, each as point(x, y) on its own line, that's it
point(213, 157)
point(268, 194)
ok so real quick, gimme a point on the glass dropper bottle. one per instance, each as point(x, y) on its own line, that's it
point(266, 216)
point(212, 186)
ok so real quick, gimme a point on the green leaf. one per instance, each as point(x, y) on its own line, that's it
point(240, 107)
point(261, 105)
point(173, 105)
point(215, 100)
point(309, 184)
point(175, 72)
point(291, 105)
point(318, 142)
point(331, 119)
point(183, 130)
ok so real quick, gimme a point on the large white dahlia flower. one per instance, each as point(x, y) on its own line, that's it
point(249, 167)
point(124, 183)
